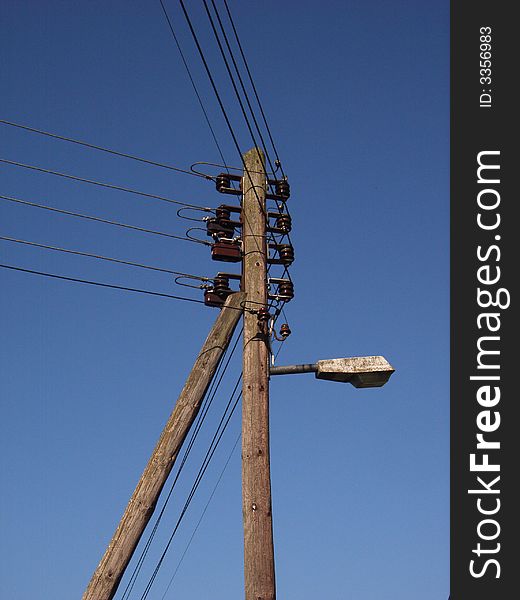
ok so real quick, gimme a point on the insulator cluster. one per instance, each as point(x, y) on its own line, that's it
point(223, 184)
point(221, 225)
point(223, 212)
point(263, 315)
point(219, 290)
point(284, 223)
point(279, 223)
point(284, 290)
point(285, 254)
point(282, 190)
point(219, 228)
point(221, 285)
point(285, 331)
point(224, 229)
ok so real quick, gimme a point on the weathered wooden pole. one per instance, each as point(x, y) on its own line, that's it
point(256, 480)
point(109, 572)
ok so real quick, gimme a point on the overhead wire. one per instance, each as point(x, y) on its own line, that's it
point(215, 90)
point(237, 94)
point(102, 184)
point(210, 76)
point(212, 23)
point(223, 470)
point(184, 552)
point(244, 91)
point(172, 30)
point(207, 459)
point(206, 463)
point(123, 154)
point(232, 79)
point(96, 256)
point(144, 160)
point(100, 284)
point(221, 428)
point(211, 79)
point(112, 286)
point(253, 84)
point(223, 166)
point(99, 219)
point(207, 402)
point(109, 259)
point(99, 148)
point(224, 112)
point(112, 186)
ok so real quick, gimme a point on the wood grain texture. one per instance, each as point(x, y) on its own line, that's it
point(109, 572)
point(256, 480)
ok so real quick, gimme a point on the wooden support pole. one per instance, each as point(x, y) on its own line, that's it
point(109, 572)
point(256, 480)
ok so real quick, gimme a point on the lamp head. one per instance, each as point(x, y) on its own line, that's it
point(360, 371)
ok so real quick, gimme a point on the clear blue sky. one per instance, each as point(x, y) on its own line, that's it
point(357, 96)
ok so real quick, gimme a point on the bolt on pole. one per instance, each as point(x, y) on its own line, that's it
point(259, 570)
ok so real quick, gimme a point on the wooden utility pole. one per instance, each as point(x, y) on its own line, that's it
point(256, 479)
point(107, 576)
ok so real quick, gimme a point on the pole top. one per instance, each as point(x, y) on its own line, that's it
point(254, 155)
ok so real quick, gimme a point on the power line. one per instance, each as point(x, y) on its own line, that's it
point(232, 79)
point(99, 284)
point(112, 286)
point(235, 89)
point(244, 91)
point(223, 166)
point(96, 256)
point(209, 454)
point(212, 81)
point(100, 148)
point(208, 400)
point(170, 25)
point(239, 99)
point(209, 499)
point(201, 53)
point(207, 459)
point(213, 85)
point(100, 220)
point(202, 515)
point(102, 184)
point(109, 186)
point(237, 94)
point(253, 84)
point(207, 503)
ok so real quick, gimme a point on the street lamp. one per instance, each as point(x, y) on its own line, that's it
point(360, 371)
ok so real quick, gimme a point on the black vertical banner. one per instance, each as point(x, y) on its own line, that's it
point(485, 250)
